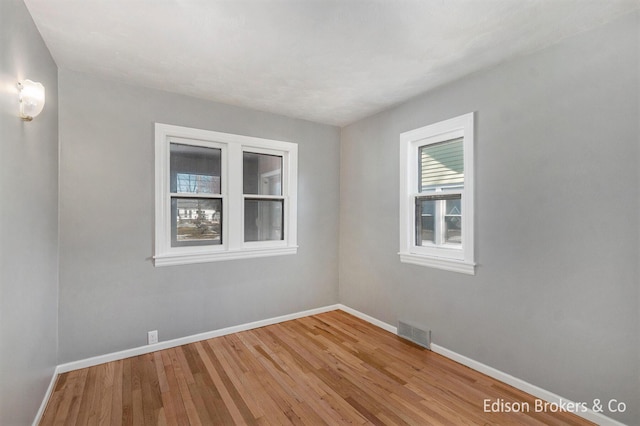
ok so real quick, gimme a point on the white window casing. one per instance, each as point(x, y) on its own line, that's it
point(233, 245)
point(453, 255)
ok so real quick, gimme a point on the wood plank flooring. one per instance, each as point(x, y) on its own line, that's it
point(330, 368)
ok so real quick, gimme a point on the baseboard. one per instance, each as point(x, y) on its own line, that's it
point(47, 395)
point(527, 387)
point(369, 319)
point(536, 391)
point(141, 350)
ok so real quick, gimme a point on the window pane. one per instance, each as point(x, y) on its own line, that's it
point(262, 174)
point(439, 219)
point(441, 164)
point(425, 221)
point(263, 220)
point(453, 220)
point(195, 169)
point(196, 221)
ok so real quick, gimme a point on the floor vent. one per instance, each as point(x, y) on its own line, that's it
point(415, 334)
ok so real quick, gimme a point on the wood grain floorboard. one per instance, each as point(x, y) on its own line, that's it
point(331, 368)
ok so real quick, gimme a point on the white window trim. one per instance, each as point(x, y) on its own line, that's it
point(233, 245)
point(441, 256)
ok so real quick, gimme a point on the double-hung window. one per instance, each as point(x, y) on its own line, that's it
point(436, 195)
point(222, 196)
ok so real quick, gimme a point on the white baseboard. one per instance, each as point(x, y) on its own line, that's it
point(543, 394)
point(369, 319)
point(141, 350)
point(47, 395)
point(527, 387)
point(536, 391)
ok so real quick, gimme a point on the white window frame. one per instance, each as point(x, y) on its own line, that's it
point(233, 245)
point(457, 258)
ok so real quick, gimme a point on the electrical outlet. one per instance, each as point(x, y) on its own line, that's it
point(152, 337)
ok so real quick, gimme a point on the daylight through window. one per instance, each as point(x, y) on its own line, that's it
point(223, 196)
point(436, 195)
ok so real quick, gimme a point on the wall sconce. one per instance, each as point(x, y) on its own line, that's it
point(31, 99)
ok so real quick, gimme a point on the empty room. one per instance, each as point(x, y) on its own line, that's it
point(277, 212)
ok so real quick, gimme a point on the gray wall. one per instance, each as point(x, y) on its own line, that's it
point(555, 300)
point(110, 292)
point(555, 297)
point(28, 221)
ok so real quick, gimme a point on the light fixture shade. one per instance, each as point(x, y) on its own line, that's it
point(31, 99)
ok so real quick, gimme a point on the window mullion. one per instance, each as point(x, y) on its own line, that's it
point(262, 197)
point(235, 221)
point(440, 209)
point(194, 195)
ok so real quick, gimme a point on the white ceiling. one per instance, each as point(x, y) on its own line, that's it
point(330, 61)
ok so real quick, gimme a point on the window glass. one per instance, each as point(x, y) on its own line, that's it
point(441, 164)
point(439, 219)
point(425, 225)
point(196, 221)
point(262, 174)
point(453, 220)
point(195, 169)
point(263, 220)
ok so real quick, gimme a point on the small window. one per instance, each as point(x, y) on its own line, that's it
point(436, 195)
point(221, 196)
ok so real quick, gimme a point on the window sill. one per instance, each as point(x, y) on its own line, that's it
point(189, 258)
point(439, 263)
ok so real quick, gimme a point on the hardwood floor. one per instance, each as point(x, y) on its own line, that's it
point(330, 368)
